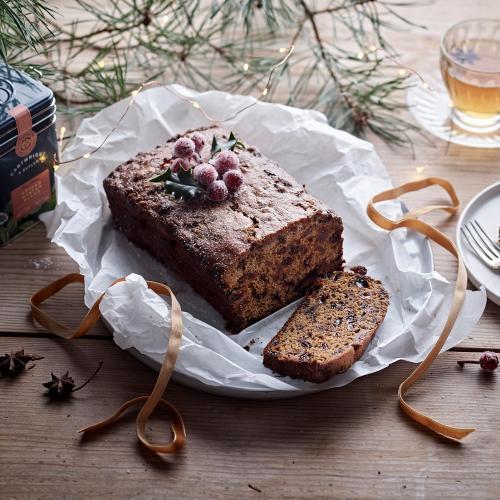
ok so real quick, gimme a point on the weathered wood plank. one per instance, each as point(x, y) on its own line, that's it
point(26, 265)
point(349, 442)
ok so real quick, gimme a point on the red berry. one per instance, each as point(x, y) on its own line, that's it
point(233, 179)
point(217, 191)
point(179, 163)
point(205, 174)
point(184, 147)
point(226, 160)
point(488, 361)
point(199, 141)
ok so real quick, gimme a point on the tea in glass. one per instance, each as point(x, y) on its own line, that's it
point(470, 65)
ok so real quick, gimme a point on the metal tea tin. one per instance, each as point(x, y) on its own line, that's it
point(28, 152)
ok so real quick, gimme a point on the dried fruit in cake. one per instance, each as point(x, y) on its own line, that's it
point(330, 329)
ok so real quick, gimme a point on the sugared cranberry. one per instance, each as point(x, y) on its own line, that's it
point(184, 147)
point(233, 179)
point(199, 141)
point(488, 361)
point(217, 191)
point(226, 160)
point(205, 174)
point(179, 163)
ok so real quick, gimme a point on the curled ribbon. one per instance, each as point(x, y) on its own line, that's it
point(411, 221)
point(167, 367)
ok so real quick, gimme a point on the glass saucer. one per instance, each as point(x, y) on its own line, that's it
point(433, 110)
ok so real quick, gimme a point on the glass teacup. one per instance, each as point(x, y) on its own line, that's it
point(470, 65)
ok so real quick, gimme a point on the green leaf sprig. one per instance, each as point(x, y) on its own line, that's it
point(232, 144)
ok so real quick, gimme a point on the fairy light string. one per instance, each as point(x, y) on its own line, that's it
point(195, 104)
point(287, 51)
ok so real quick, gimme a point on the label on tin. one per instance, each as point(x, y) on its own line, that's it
point(28, 197)
point(26, 137)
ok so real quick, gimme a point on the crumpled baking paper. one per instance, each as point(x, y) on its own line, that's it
point(336, 167)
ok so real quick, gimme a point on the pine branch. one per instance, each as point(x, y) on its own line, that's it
point(23, 25)
point(226, 45)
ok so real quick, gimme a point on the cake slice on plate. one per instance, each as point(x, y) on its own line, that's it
point(330, 329)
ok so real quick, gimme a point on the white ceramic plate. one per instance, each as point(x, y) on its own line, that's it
point(485, 208)
point(339, 169)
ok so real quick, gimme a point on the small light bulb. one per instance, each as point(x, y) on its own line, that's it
point(361, 55)
point(372, 48)
point(135, 92)
point(425, 85)
point(450, 104)
point(420, 169)
point(245, 67)
point(63, 131)
point(283, 50)
point(42, 158)
point(265, 91)
point(86, 155)
point(402, 72)
point(101, 63)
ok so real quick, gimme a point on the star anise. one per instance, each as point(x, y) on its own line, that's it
point(15, 362)
point(62, 387)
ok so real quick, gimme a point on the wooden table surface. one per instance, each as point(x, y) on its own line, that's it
point(349, 442)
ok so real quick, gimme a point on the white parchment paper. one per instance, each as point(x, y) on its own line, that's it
point(336, 167)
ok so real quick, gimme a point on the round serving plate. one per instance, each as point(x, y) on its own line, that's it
point(485, 208)
point(337, 168)
point(431, 106)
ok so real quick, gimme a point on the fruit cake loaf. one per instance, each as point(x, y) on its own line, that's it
point(249, 255)
point(330, 329)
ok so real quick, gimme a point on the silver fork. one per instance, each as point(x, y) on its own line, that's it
point(484, 247)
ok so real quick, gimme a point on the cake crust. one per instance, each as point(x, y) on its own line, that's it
point(221, 248)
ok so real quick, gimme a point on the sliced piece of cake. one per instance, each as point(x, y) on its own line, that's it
point(330, 329)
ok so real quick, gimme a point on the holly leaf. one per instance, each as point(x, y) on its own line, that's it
point(185, 191)
point(231, 144)
point(164, 176)
point(215, 146)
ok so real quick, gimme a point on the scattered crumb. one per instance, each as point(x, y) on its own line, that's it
point(258, 490)
point(250, 344)
point(43, 263)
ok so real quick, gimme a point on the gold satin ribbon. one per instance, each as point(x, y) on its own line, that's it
point(167, 367)
point(411, 221)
